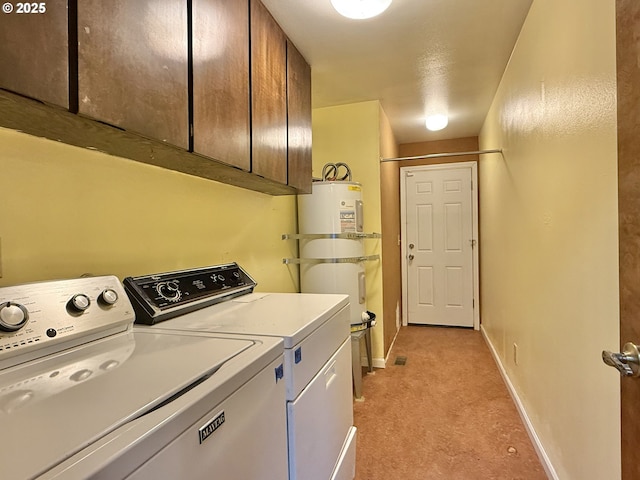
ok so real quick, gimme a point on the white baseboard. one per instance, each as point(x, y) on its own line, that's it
point(537, 444)
point(377, 362)
point(380, 362)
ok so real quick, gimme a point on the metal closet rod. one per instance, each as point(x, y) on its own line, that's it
point(440, 155)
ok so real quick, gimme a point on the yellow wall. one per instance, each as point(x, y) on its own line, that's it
point(549, 252)
point(67, 211)
point(351, 134)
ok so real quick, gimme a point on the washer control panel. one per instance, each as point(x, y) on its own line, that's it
point(45, 314)
point(162, 296)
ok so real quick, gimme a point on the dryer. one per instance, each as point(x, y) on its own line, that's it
point(315, 329)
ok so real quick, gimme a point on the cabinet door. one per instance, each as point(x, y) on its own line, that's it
point(132, 66)
point(34, 51)
point(268, 95)
point(298, 120)
point(221, 112)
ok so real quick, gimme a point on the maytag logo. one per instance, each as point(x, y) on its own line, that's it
point(206, 430)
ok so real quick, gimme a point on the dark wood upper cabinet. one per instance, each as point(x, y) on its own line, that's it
point(132, 66)
point(221, 110)
point(299, 120)
point(34, 51)
point(268, 95)
point(237, 111)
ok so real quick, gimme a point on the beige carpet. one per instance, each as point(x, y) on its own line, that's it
point(445, 414)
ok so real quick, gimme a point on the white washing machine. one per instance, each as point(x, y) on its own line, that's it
point(85, 394)
point(315, 329)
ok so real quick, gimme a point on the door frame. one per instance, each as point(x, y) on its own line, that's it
point(628, 148)
point(476, 248)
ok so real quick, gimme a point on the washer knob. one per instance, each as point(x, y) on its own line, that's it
point(108, 297)
point(79, 302)
point(13, 316)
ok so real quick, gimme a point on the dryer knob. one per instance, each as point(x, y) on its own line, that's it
point(13, 316)
point(169, 291)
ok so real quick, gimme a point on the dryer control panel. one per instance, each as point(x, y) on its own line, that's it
point(162, 296)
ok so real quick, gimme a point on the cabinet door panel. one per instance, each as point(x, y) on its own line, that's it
point(299, 120)
point(221, 80)
point(34, 54)
point(268, 95)
point(132, 66)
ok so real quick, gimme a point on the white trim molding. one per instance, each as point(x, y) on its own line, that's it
point(537, 444)
point(476, 245)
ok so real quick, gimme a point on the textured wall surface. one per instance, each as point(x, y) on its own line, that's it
point(351, 134)
point(67, 211)
point(549, 243)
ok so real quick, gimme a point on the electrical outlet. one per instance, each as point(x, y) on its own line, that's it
point(515, 353)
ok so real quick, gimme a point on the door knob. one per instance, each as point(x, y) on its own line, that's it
point(627, 362)
point(411, 245)
point(410, 257)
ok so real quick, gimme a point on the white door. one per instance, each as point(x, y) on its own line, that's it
point(439, 238)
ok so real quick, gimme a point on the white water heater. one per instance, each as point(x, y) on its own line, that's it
point(330, 223)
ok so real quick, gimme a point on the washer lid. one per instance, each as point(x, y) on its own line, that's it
point(291, 316)
point(53, 407)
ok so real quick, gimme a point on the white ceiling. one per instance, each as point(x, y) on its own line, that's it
point(418, 57)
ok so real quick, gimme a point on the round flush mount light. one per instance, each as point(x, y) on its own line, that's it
point(436, 122)
point(360, 9)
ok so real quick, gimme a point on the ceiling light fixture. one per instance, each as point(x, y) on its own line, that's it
point(436, 122)
point(360, 9)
